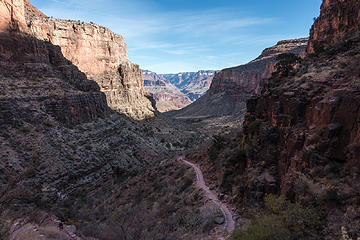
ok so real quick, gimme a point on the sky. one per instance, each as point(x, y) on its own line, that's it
point(171, 36)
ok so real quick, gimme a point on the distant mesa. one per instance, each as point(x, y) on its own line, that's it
point(175, 91)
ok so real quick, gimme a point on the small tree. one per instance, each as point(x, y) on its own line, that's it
point(285, 64)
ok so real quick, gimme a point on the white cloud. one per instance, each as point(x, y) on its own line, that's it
point(176, 40)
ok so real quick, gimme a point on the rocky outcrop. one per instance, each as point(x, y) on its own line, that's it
point(12, 16)
point(339, 20)
point(167, 96)
point(101, 55)
point(249, 78)
point(231, 87)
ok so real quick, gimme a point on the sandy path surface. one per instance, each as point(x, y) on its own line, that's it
point(200, 182)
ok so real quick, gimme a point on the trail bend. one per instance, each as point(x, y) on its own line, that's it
point(200, 182)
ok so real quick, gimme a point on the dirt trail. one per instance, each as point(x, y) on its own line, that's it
point(200, 182)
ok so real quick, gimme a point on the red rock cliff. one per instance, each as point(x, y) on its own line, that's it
point(249, 78)
point(339, 20)
point(101, 55)
point(12, 16)
point(35, 73)
point(231, 87)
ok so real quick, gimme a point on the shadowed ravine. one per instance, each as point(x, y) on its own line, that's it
point(200, 182)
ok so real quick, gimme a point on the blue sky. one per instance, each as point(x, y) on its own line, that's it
point(170, 36)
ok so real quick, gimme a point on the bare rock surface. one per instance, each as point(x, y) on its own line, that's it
point(176, 91)
point(101, 55)
point(338, 21)
point(12, 15)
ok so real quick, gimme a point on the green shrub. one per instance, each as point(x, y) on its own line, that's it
point(187, 183)
point(218, 142)
point(228, 180)
point(276, 205)
point(284, 220)
point(268, 228)
point(318, 47)
point(285, 65)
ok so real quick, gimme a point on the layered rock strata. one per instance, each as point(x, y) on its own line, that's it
point(101, 55)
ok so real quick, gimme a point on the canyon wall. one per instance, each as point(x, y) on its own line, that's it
point(301, 136)
point(28, 64)
point(176, 91)
point(231, 87)
point(101, 55)
point(339, 20)
point(249, 78)
point(12, 16)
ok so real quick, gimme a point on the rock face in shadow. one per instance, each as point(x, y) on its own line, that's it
point(36, 71)
point(305, 134)
point(338, 21)
point(101, 55)
point(304, 131)
point(231, 87)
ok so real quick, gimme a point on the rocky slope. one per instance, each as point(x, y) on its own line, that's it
point(101, 55)
point(231, 87)
point(167, 96)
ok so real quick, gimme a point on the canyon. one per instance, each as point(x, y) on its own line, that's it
point(256, 152)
